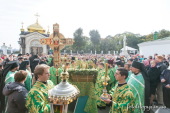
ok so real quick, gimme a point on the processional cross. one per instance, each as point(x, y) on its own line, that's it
point(57, 42)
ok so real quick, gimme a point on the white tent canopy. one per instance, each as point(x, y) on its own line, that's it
point(129, 48)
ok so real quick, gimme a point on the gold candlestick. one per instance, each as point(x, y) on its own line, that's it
point(105, 96)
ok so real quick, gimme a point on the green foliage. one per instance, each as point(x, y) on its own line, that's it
point(132, 40)
point(80, 40)
point(83, 72)
point(95, 38)
point(109, 43)
point(163, 33)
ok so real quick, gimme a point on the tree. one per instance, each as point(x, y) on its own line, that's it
point(79, 39)
point(163, 33)
point(132, 40)
point(95, 38)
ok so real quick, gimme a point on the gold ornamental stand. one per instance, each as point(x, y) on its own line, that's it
point(106, 78)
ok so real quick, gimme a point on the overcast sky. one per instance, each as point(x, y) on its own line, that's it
point(109, 17)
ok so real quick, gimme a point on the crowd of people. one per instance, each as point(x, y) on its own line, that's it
point(135, 84)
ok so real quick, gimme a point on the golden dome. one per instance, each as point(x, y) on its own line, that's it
point(36, 28)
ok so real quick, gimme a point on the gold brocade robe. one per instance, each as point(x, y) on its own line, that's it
point(99, 88)
point(122, 99)
point(37, 99)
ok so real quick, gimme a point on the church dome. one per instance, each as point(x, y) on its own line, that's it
point(36, 28)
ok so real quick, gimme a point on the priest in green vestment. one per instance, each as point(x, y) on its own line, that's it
point(99, 86)
point(10, 75)
point(112, 81)
point(142, 69)
point(37, 99)
point(28, 81)
point(137, 84)
point(121, 96)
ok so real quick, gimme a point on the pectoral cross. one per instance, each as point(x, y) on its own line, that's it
point(57, 42)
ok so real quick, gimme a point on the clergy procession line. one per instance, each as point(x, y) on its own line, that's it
point(137, 84)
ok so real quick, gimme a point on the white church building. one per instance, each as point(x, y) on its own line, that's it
point(160, 46)
point(30, 40)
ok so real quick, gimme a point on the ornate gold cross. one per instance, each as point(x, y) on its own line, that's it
point(57, 42)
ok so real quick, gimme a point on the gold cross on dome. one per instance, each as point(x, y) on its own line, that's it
point(37, 16)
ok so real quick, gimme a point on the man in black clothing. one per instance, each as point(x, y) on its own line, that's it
point(35, 61)
point(165, 79)
point(153, 73)
point(42, 61)
point(161, 67)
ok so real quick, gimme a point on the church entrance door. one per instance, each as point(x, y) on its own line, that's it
point(36, 50)
point(36, 47)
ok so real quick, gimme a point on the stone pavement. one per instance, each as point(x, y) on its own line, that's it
point(104, 110)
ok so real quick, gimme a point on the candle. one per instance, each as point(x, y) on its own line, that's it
point(106, 69)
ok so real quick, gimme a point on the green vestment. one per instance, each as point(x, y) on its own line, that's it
point(99, 88)
point(53, 72)
point(10, 77)
point(86, 103)
point(122, 99)
point(37, 99)
point(112, 81)
point(129, 74)
point(28, 82)
point(136, 83)
point(49, 61)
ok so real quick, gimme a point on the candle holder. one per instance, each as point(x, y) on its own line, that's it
point(62, 94)
point(105, 78)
